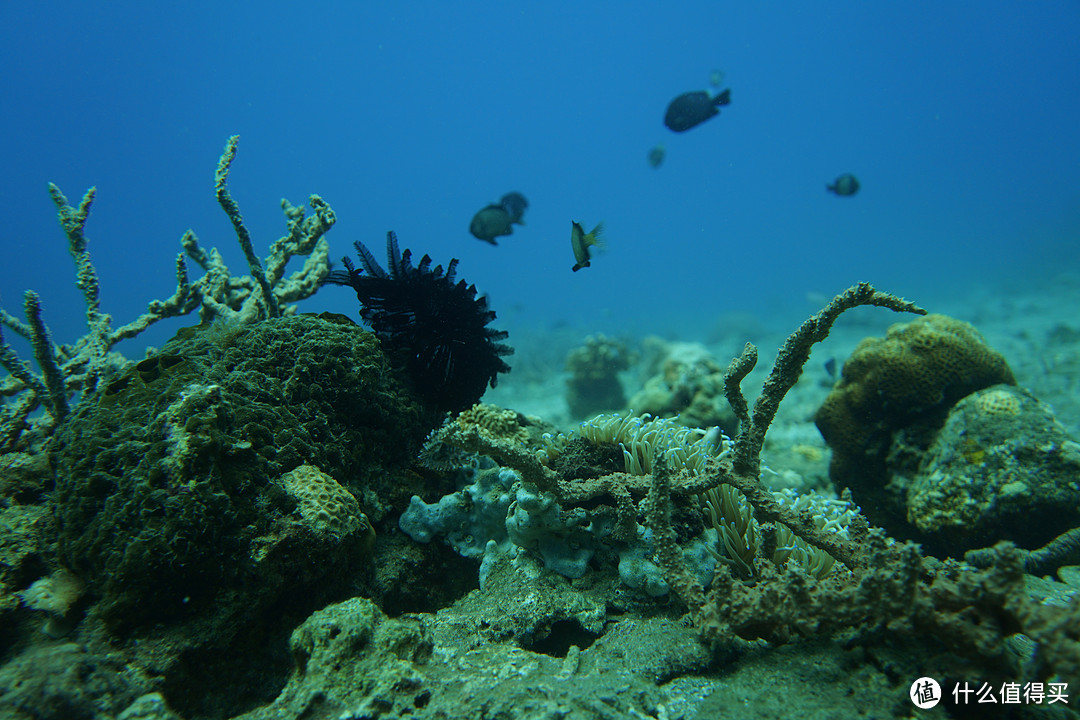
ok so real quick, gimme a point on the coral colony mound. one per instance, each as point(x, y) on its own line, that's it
point(285, 515)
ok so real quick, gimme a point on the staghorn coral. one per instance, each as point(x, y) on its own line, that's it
point(1061, 551)
point(68, 370)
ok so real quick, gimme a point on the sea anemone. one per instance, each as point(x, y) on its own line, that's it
point(437, 326)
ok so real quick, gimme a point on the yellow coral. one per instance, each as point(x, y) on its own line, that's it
point(325, 507)
point(496, 422)
point(998, 401)
point(919, 370)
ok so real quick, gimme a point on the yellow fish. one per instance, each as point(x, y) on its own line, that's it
point(580, 242)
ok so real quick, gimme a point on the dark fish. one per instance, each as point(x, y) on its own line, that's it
point(844, 186)
point(656, 156)
point(694, 108)
point(497, 220)
point(830, 368)
point(515, 204)
point(490, 223)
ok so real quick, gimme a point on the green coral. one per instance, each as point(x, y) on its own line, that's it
point(165, 495)
point(323, 505)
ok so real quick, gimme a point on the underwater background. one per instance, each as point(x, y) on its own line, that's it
point(959, 119)
point(279, 519)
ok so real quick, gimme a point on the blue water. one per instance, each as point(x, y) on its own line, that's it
point(958, 118)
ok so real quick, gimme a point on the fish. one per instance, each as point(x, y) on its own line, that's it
point(656, 156)
point(830, 368)
point(497, 220)
point(845, 186)
point(515, 204)
point(580, 242)
point(490, 223)
point(693, 108)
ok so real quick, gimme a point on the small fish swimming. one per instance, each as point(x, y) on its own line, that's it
point(515, 204)
point(693, 108)
point(497, 220)
point(656, 156)
point(845, 186)
point(490, 223)
point(580, 242)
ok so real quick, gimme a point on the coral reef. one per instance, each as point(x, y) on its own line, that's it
point(535, 654)
point(685, 381)
point(438, 327)
point(932, 437)
point(584, 511)
point(195, 507)
point(67, 370)
point(890, 584)
point(898, 390)
point(593, 385)
point(183, 478)
point(1001, 468)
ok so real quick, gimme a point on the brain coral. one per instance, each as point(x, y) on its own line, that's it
point(892, 398)
point(165, 493)
point(325, 507)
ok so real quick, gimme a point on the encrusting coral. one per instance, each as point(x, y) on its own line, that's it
point(899, 389)
point(203, 488)
point(1001, 468)
point(67, 370)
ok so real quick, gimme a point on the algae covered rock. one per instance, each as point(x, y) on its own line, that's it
point(177, 483)
point(1002, 467)
point(893, 397)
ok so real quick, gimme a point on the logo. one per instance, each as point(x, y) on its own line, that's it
point(925, 693)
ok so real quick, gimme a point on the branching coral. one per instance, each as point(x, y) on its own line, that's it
point(70, 369)
point(890, 585)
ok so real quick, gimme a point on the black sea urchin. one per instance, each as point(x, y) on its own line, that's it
point(439, 326)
